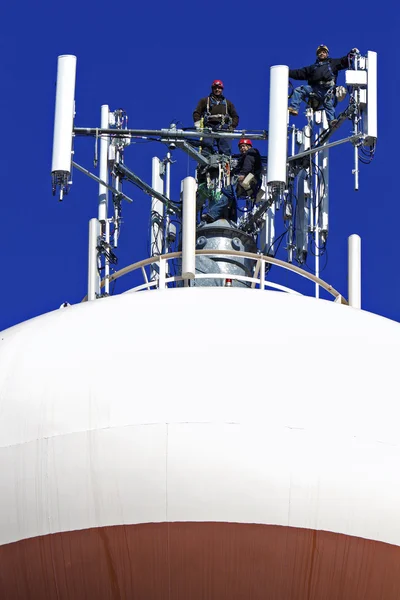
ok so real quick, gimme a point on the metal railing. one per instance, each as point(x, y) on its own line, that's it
point(259, 277)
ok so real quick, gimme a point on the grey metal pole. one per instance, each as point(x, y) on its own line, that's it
point(103, 193)
point(352, 138)
point(170, 133)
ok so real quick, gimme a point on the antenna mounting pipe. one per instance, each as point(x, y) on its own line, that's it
point(104, 143)
point(93, 273)
point(354, 271)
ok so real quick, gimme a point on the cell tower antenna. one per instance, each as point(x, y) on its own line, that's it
point(63, 124)
point(277, 133)
point(221, 209)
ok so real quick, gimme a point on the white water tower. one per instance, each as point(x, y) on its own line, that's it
point(201, 455)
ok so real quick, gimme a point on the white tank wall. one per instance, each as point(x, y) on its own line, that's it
point(213, 414)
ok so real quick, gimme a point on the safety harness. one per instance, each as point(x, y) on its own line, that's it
point(224, 119)
point(328, 83)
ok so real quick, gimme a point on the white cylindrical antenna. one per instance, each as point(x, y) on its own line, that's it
point(371, 125)
point(189, 228)
point(277, 131)
point(63, 122)
point(93, 272)
point(355, 271)
point(103, 167)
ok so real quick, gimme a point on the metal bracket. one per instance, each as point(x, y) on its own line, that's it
point(135, 179)
point(109, 187)
point(189, 149)
point(105, 249)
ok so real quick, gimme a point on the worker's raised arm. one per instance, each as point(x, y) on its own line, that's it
point(303, 73)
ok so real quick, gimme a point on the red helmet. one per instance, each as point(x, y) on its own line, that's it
point(217, 82)
point(245, 141)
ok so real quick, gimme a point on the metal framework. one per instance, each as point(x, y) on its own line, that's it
point(298, 184)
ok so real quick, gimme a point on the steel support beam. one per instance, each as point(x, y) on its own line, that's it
point(170, 133)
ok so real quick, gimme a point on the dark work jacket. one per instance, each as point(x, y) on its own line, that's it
point(250, 162)
point(321, 71)
point(216, 106)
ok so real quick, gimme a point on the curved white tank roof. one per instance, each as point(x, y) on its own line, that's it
point(201, 405)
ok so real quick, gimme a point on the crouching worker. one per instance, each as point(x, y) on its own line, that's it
point(248, 173)
point(248, 170)
point(321, 81)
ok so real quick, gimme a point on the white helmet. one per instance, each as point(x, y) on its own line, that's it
point(322, 47)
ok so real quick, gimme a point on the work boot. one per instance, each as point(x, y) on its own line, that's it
point(260, 195)
point(293, 111)
point(207, 218)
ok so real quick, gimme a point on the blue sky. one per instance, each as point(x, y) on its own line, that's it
point(156, 61)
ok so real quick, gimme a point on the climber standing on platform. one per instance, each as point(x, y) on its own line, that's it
point(219, 114)
point(321, 80)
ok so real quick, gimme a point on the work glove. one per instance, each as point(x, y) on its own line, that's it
point(354, 51)
point(197, 124)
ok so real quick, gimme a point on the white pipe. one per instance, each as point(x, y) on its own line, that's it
point(167, 192)
point(104, 142)
point(270, 219)
point(106, 261)
point(354, 271)
point(93, 274)
point(317, 188)
point(324, 192)
point(278, 122)
point(157, 215)
point(189, 228)
point(264, 238)
point(168, 175)
point(64, 114)
point(118, 186)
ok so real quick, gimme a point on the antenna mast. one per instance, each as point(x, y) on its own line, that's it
point(298, 183)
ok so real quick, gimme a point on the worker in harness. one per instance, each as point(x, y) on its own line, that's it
point(219, 114)
point(321, 79)
point(247, 175)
